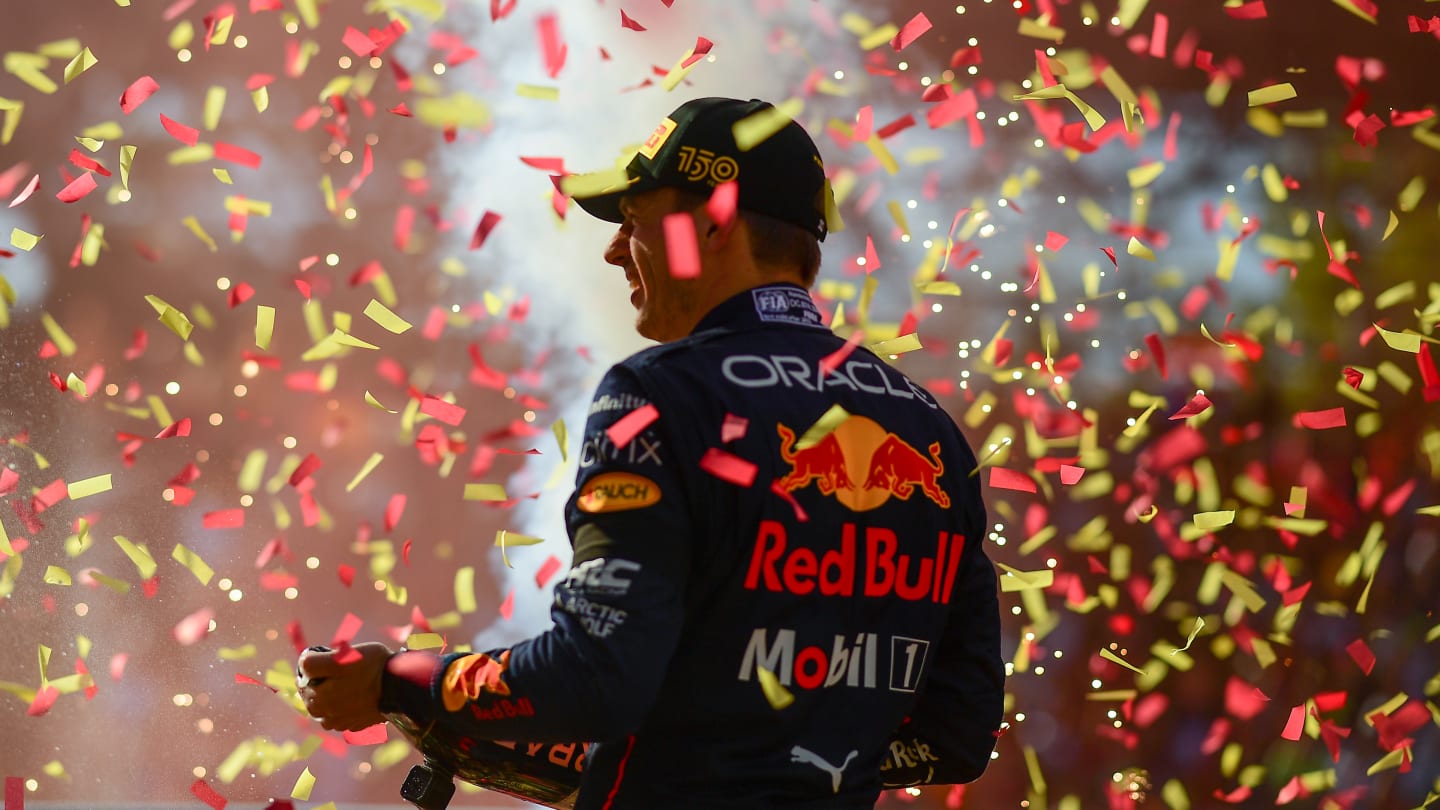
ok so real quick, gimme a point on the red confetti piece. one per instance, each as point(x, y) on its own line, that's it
point(1070, 474)
point(1320, 420)
point(374, 735)
point(194, 628)
point(627, 427)
point(302, 472)
point(700, 51)
point(507, 608)
point(186, 135)
point(1157, 349)
point(900, 124)
point(1197, 404)
point(357, 42)
point(1253, 10)
point(832, 361)
point(349, 626)
point(1296, 724)
point(25, 194)
point(235, 154)
point(135, 95)
point(547, 570)
point(681, 246)
point(722, 202)
point(405, 551)
point(225, 519)
point(500, 9)
point(1054, 241)
point(240, 677)
point(393, 510)
point(1110, 252)
point(482, 230)
point(626, 22)
point(1243, 700)
point(179, 428)
point(77, 188)
point(733, 428)
point(346, 574)
point(45, 697)
point(551, 46)
point(207, 794)
point(1362, 656)
point(960, 105)
point(79, 159)
point(446, 412)
point(728, 467)
point(14, 793)
point(1002, 478)
point(910, 31)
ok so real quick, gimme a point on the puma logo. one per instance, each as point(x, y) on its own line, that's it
point(798, 754)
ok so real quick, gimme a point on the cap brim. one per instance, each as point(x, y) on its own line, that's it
point(607, 206)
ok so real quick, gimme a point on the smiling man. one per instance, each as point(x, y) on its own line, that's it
point(779, 595)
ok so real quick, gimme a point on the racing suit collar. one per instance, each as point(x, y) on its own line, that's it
point(781, 303)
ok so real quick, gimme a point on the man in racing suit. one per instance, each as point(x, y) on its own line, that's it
point(779, 594)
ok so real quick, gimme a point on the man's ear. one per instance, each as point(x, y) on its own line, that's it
point(713, 237)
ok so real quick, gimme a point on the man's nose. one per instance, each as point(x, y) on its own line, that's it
point(618, 251)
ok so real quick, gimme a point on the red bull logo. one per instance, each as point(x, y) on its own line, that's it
point(861, 464)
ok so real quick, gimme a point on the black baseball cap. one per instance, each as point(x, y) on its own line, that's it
point(695, 149)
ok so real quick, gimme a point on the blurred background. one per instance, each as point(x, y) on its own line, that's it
point(1185, 313)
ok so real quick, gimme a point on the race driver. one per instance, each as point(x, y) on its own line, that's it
point(779, 595)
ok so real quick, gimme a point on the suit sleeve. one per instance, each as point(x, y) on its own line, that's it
point(949, 735)
point(617, 614)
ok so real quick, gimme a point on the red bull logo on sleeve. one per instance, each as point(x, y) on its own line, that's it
point(862, 465)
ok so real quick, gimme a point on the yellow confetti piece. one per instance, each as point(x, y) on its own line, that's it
point(369, 466)
point(562, 438)
point(775, 693)
point(241, 653)
point(13, 110)
point(389, 321)
point(74, 383)
point(24, 240)
point(1138, 248)
point(173, 318)
point(62, 341)
point(303, 786)
point(192, 561)
point(505, 538)
point(939, 288)
point(1142, 176)
point(264, 326)
point(89, 486)
point(425, 641)
point(537, 92)
point(82, 62)
point(117, 585)
point(824, 426)
point(1210, 521)
point(465, 590)
point(1113, 658)
point(1400, 341)
point(127, 159)
point(144, 563)
point(1016, 580)
point(1271, 94)
point(1123, 93)
point(485, 492)
point(194, 225)
point(882, 153)
point(55, 575)
point(1194, 631)
point(592, 184)
point(91, 144)
point(375, 403)
point(754, 129)
point(1030, 27)
point(897, 345)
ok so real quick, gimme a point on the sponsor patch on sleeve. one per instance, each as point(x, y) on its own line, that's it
point(617, 492)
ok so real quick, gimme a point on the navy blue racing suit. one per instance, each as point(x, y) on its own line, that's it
point(766, 608)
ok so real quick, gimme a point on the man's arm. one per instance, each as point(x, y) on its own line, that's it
point(618, 612)
point(951, 731)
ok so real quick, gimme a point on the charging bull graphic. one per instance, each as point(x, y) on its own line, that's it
point(860, 450)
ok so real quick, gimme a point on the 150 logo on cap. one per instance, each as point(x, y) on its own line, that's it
point(617, 492)
point(657, 139)
point(702, 164)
